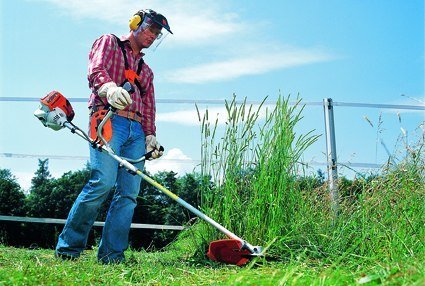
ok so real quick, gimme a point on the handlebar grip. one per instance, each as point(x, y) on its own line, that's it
point(149, 154)
point(128, 87)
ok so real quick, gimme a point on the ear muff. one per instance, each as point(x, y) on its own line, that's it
point(135, 21)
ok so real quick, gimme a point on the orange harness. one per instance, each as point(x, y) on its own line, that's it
point(130, 75)
point(96, 117)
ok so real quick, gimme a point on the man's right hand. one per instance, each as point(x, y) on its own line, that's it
point(116, 96)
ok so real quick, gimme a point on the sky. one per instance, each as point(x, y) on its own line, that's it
point(350, 51)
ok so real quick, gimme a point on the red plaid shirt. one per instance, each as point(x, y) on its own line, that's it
point(106, 64)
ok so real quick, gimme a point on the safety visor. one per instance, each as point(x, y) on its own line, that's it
point(157, 25)
point(159, 20)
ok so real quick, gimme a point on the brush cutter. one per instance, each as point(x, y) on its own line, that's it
point(56, 113)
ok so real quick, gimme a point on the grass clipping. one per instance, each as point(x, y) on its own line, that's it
point(253, 165)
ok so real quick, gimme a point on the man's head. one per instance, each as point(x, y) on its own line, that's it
point(147, 26)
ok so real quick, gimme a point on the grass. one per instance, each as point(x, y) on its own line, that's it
point(258, 195)
point(254, 166)
point(377, 236)
point(173, 267)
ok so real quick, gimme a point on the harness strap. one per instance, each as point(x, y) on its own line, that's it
point(129, 74)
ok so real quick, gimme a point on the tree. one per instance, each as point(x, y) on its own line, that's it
point(156, 208)
point(12, 203)
point(65, 190)
point(189, 189)
point(12, 198)
point(42, 175)
point(41, 186)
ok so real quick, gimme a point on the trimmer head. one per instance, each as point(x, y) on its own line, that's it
point(231, 251)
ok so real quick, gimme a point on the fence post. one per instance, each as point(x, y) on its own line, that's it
point(331, 153)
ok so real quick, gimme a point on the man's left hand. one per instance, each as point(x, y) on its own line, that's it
point(153, 144)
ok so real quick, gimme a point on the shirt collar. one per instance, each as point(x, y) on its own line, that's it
point(126, 42)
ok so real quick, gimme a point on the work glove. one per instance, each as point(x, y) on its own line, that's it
point(152, 144)
point(116, 96)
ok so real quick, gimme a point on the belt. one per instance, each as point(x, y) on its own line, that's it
point(136, 116)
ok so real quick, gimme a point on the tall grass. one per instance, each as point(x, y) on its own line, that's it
point(254, 165)
point(258, 194)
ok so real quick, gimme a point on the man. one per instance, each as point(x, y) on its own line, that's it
point(112, 63)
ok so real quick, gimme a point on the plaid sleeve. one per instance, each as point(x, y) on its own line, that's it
point(148, 108)
point(100, 61)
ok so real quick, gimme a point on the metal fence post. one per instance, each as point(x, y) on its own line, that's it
point(331, 153)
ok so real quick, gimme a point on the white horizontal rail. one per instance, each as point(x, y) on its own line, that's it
point(380, 105)
point(221, 101)
point(186, 161)
point(83, 158)
point(163, 100)
point(96, 223)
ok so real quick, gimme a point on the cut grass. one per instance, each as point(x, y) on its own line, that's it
point(40, 267)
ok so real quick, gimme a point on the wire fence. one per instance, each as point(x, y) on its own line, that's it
point(368, 165)
point(221, 102)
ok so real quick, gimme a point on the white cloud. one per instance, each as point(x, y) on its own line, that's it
point(190, 116)
point(219, 114)
point(203, 23)
point(173, 160)
point(247, 65)
point(193, 22)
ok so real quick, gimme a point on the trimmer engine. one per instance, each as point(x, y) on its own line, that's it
point(54, 110)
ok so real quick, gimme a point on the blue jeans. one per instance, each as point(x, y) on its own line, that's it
point(128, 140)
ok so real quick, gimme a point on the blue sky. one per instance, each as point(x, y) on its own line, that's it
point(350, 51)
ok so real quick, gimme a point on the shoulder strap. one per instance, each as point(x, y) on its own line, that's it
point(124, 53)
point(122, 47)
point(139, 67)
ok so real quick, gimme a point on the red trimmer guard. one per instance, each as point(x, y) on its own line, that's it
point(228, 251)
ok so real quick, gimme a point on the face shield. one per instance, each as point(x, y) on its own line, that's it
point(154, 27)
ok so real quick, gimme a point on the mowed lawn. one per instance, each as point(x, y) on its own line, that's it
point(40, 267)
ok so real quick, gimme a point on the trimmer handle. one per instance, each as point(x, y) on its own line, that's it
point(149, 154)
point(128, 87)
